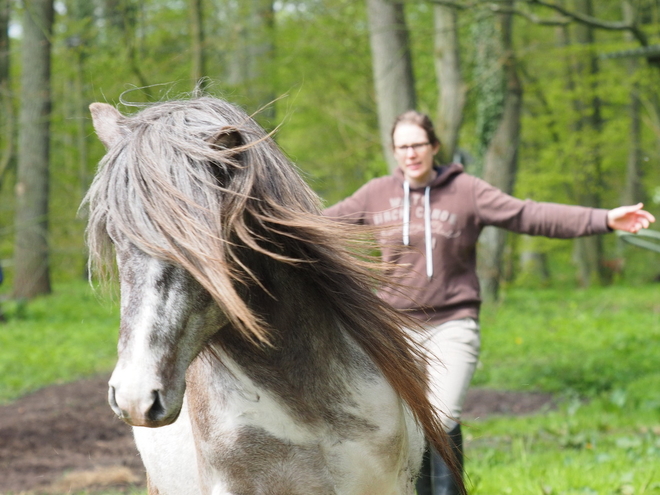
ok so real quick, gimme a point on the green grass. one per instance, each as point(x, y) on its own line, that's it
point(599, 351)
point(579, 341)
point(55, 339)
point(594, 448)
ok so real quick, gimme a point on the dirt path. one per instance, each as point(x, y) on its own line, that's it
point(65, 437)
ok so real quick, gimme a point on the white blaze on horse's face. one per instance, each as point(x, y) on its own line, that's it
point(167, 317)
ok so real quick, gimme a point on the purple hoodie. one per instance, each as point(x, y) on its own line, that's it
point(445, 220)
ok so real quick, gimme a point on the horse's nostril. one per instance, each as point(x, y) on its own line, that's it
point(111, 398)
point(157, 410)
point(113, 402)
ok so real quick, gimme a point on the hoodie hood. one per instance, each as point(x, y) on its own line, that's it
point(445, 174)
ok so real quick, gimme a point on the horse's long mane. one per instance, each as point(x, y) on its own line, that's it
point(196, 181)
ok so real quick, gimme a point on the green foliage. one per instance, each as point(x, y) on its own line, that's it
point(57, 338)
point(326, 115)
point(329, 121)
point(559, 150)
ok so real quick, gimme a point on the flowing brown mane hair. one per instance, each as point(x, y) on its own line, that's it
point(195, 182)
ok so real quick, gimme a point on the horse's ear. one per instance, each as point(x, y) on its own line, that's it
point(227, 138)
point(106, 120)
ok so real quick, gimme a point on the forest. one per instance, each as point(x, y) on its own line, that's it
point(553, 100)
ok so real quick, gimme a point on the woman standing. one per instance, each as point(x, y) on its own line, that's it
point(439, 212)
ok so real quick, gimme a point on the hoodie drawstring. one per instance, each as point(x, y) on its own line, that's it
point(427, 232)
point(406, 213)
point(428, 240)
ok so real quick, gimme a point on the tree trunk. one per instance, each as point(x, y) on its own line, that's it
point(251, 63)
point(124, 16)
point(198, 66)
point(392, 68)
point(500, 163)
point(633, 190)
point(4, 42)
point(80, 43)
point(113, 13)
point(588, 180)
point(31, 250)
point(489, 72)
point(6, 109)
point(448, 72)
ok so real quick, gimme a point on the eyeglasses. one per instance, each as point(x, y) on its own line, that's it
point(406, 147)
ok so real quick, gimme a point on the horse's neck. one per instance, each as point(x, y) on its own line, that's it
point(292, 303)
point(303, 325)
point(306, 336)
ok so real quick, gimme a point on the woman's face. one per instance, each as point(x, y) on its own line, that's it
point(414, 153)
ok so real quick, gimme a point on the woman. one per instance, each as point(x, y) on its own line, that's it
point(439, 212)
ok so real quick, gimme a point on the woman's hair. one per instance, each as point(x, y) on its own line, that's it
point(416, 118)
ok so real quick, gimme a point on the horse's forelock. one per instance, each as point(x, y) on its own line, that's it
point(159, 187)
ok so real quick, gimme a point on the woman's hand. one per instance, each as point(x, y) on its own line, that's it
point(629, 218)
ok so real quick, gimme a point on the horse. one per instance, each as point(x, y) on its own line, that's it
point(254, 355)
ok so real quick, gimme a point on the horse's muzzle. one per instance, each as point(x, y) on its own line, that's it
point(150, 413)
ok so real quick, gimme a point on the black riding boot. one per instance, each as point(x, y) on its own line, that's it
point(423, 483)
point(435, 478)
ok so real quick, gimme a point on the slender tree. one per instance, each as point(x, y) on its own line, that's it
point(451, 100)
point(587, 178)
point(82, 11)
point(633, 191)
point(251, 61)
point(489, 83)
point(501, 157)
point(124, 16)
point(198, 66)
point(4, 44)
point(6, 109)
point(31, 223)
point(392, 67)
point(4, 41)
point(113, 13)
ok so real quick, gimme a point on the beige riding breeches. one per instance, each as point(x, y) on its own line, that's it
point(453, 352)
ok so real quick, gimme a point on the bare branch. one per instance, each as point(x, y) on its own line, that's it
point(592, 21)
point(569, 15)
point(456, 5)
point(446, 3)
point(529, 16)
